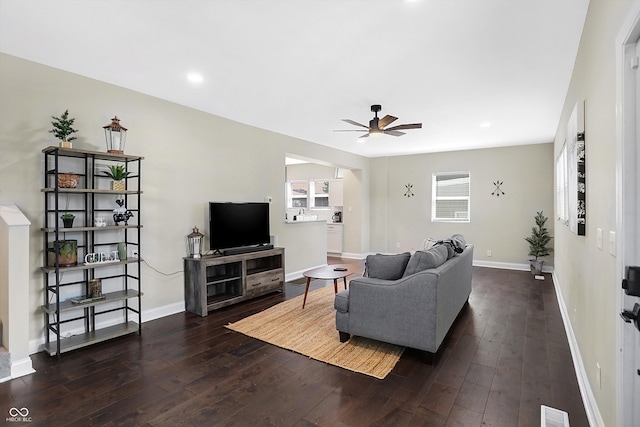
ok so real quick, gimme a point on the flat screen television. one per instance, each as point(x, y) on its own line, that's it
point(242, 226)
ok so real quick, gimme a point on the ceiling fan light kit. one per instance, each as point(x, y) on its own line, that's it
point(378, 126)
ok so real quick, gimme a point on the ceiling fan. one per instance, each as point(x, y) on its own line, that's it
point(379, 126)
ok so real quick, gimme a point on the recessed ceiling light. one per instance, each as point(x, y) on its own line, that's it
point(485, 125)
point(195, 77)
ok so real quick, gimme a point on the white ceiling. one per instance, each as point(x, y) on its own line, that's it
point(476, 73)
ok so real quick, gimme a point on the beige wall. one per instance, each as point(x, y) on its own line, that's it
point(498, 224)
point(586, 275)
point(210, 158)
point(190, 158)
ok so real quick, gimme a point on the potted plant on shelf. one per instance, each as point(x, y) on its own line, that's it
point(539, 243)
point(67, 220)
point(118, 174)
point(62, 129)
point(67, 251)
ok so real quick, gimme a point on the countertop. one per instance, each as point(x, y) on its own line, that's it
point(288, 221)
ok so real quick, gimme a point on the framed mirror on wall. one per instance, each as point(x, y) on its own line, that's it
point(571, 200)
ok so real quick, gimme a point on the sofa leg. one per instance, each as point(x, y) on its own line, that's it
point(430, 358)
point(344, 337)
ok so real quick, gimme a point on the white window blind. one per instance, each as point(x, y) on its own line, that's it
point(450, 197)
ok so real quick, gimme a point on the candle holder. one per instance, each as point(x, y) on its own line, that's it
point(115, 135)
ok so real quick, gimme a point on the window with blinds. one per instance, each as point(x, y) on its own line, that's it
point(451, 197)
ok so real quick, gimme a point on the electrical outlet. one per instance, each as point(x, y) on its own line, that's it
point(598, 376)
point(489, 252)
point(397, 244)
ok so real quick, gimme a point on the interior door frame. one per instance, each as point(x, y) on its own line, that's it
point(626, 203)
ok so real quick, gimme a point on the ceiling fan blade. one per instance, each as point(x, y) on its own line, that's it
point(366, 135)
point(407, 126)
point(347, 130)
point(393, 132)
point(355, 123)
point(386, 121)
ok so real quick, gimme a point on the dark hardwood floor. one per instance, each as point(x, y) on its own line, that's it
point(506, 355)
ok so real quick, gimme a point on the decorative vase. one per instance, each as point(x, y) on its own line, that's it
point(95, 288)
point(67, 251)
point(536, 266)
point(67, 180)
point(118, 185)
point(122, 251)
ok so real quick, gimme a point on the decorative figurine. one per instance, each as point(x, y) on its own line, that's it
point(121, 214)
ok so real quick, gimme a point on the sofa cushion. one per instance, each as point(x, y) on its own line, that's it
point(386, 267)
point(423, 260)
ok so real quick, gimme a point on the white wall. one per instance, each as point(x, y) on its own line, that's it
point(585, 274)
point(497, 223)
point(190, 158)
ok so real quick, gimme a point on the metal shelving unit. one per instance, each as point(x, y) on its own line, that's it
point(121, 279)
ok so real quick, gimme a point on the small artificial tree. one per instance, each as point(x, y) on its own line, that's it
point(539, 239)
point(62, 128)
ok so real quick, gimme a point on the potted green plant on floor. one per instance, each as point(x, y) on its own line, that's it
point(62, 129)
point(539, 243)
point(118, 173)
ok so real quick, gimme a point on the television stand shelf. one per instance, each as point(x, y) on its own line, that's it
point(215, 281)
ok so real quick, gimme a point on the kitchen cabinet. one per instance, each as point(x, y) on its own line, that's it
point(335, 192)
point(334, 238)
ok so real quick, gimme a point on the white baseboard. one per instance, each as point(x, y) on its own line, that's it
point(509, 266)
point(22, 367)
point(166, 310)
point(588, 399)
point(298, 274)
point(352, 255)
point(19, 368)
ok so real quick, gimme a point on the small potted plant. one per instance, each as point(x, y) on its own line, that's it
point(118, 174)
point(539, 243)
point(67, 252)
point(67, 220)
point(62, 129)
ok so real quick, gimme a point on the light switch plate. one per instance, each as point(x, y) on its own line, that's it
point(612, 243)
point(599, 238)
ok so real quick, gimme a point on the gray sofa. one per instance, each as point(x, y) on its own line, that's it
point(408, 300)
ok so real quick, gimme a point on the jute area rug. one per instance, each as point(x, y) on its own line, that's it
point(312, 331)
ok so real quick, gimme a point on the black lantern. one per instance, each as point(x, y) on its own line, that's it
point(116, 136)
point(195, 243)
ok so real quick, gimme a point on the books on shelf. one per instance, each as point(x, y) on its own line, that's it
point(83, 299)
